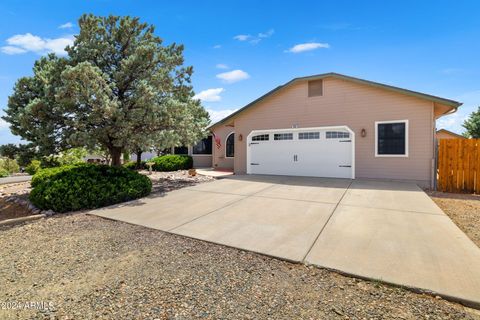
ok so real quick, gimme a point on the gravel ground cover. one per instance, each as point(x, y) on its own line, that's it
point(85, 267)
point(168, 181)
point(463, 209)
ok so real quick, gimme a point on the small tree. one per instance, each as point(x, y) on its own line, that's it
point(472, 125)
point(23, 153)
point(9, 150)
point(10, 165)
point(26, 153)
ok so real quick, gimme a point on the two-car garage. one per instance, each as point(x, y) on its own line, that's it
point(316, 152)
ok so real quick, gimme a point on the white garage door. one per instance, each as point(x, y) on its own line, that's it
point(316, 152)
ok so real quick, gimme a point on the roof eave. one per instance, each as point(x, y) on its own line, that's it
point(451, 103)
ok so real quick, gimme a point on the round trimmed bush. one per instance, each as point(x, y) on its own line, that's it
point(86, 186)
point(172, 162)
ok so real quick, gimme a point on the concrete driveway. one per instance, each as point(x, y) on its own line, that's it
point(387, 231)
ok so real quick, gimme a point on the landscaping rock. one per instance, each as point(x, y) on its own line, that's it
point(463, 209)
point(92, 268)
point(168, 181)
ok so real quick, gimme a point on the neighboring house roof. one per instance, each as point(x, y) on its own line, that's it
point(451, 133)
point(447, 102)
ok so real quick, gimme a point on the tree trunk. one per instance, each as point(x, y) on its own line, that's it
point(116, 154)
point(139, 159)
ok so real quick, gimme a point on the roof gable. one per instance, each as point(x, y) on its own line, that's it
point(435, 99)
point(451, 133)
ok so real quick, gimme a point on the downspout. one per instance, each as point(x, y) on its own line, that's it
point(433, 180)
point(435, 142)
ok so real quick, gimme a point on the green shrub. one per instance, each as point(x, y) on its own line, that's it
point(86, 186)
point(43, 175)
point(33, 167)
point(132, 165)
point(172, 162)
point(3, 173)
point(9, 165)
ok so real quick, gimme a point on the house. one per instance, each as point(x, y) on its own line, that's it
point(95, 158)
point(332, 125)
point(201, 153)
point(446, 134)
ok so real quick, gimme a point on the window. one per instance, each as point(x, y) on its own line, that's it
point(308, 135)
point(203, 147)
point(337, 135)
point(283, 136)
point(391, 138)
point(315, 88)
point(261, 137)
point(180, 150)
point(230, 146)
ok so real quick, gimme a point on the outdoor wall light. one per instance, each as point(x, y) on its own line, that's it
point(363, 133)
point(240, 137)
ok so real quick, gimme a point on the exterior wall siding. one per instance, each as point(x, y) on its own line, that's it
point(202, 161)
point(219, 159)
point(344, 103)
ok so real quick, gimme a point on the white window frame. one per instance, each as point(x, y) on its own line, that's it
point(406, 140)
point(233, 145)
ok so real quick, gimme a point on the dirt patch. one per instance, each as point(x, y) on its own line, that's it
point(10, 209)
point(88, 268)
point(463, 209)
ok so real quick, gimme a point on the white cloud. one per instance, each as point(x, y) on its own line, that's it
point(217, 46)
point(12, 50)
point(217, 115)
point(267, 34)
point(209, 95)
point(58, 45)
point(4, 124)
point(302, 47)
point(255, 39)
point(453, 122)
point(221, 66)
point(67, 25)
point(242, 37)
point(28, 42)
point(233, 76)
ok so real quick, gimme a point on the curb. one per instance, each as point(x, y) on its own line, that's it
point(15, 221)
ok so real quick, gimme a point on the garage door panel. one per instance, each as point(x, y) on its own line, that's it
point(273, 157)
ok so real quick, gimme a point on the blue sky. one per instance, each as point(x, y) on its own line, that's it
point(242, 49)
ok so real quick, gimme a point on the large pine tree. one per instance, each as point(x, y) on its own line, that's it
point(119, 88)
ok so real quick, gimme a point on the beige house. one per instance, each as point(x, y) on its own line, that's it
point(446, 134)
point(332, 125)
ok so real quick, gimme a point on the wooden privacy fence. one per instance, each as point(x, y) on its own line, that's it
point(458, 165)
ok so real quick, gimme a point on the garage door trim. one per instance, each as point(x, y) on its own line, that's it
point(254, 132)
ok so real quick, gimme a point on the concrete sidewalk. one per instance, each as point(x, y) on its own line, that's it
point(385, 231)
point(15, 179)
